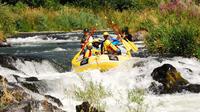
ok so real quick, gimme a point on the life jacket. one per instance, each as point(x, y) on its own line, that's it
point(96, 51)
point(88, 53)
point(83, 39)
point(107, 46)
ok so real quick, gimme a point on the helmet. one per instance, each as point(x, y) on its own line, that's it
point(96, 40)
point(105, 33)
point(86, 30)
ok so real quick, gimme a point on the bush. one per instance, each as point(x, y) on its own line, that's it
point(6, 20)
point(136, 96)
point(176, 35)
point(41, 23)
point(93, 93)
point(23, 25)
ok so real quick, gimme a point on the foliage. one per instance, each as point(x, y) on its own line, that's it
point(177, 33)
point(116, 4)
point(6, 20)
point(93, 93)
point(136, 96)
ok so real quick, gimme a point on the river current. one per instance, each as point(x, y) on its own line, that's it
point(133, 74)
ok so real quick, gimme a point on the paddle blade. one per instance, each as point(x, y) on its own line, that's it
point(133, 46)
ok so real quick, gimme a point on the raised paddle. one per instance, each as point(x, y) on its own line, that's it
point(128, 44)
point(86, 41)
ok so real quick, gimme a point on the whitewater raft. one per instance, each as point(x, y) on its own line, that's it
point(101, 62)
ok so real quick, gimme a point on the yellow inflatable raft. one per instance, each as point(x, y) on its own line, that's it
point(101, 62)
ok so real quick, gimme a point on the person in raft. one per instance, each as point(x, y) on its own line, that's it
point(107, 47)
point(85, 36)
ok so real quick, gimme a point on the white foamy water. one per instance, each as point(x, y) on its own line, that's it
point(39, 39)
point(118, 81)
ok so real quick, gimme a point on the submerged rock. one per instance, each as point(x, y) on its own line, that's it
point(86, 107)
point(171, 81)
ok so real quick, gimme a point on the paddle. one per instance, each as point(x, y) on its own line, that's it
point(85, 43)
point(128, 44)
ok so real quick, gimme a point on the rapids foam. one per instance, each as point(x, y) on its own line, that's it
point(130, 75)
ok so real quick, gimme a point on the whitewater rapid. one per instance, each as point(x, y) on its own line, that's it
point(132, 74)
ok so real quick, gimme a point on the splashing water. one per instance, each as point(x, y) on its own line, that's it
point(131, 75)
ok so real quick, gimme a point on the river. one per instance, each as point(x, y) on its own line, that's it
point(133, 74)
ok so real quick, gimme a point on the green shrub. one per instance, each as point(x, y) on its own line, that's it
point(41, 23)
point(183, 40)
point(136, 96)
point(6, 20)
point(175, 34)
point(22, 25)
point(93, 93)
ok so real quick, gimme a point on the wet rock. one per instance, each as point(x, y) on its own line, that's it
point(31, 86)
point(6, 61)
point(86, 107)
point(56, 100)
point(3, 79)
point(31, 106)
point(18, 107)
point(170, 81)
point(32, 79)
point(48, 107)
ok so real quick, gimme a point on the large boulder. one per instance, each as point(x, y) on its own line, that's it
point(170, 81)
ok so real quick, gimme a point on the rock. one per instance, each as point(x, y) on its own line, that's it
point(31, 106)
point(86, 107)
point(32, 83)
point(170, 81)
point(32, 79)
point(168, 75)
point(56, 100)
point(30, 86)
point(3, 79)
point(18, 107)
point(6, 61)
point(48, 107)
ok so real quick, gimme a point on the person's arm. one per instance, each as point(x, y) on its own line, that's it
point(87, 54)
point(113, 47)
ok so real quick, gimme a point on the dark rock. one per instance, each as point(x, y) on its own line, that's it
point(86, 107)
point(56, 100)
point(3, 79)
point(32, 79)
point(171, 81)
point(18, 107)
point(6, 61)
point(16, 77)
point(195, 88)
point(167, 75)
point(31, 106)
point(30, 86)
point(48, 107)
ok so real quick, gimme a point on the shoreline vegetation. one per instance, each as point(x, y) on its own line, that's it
point(173, 27)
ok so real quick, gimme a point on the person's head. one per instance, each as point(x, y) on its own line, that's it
point(105, 35)
point(89, 46)
point(86, 31)
point(125, 30)
point(96, 42)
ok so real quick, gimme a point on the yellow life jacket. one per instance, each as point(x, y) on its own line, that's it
point(108, 47)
